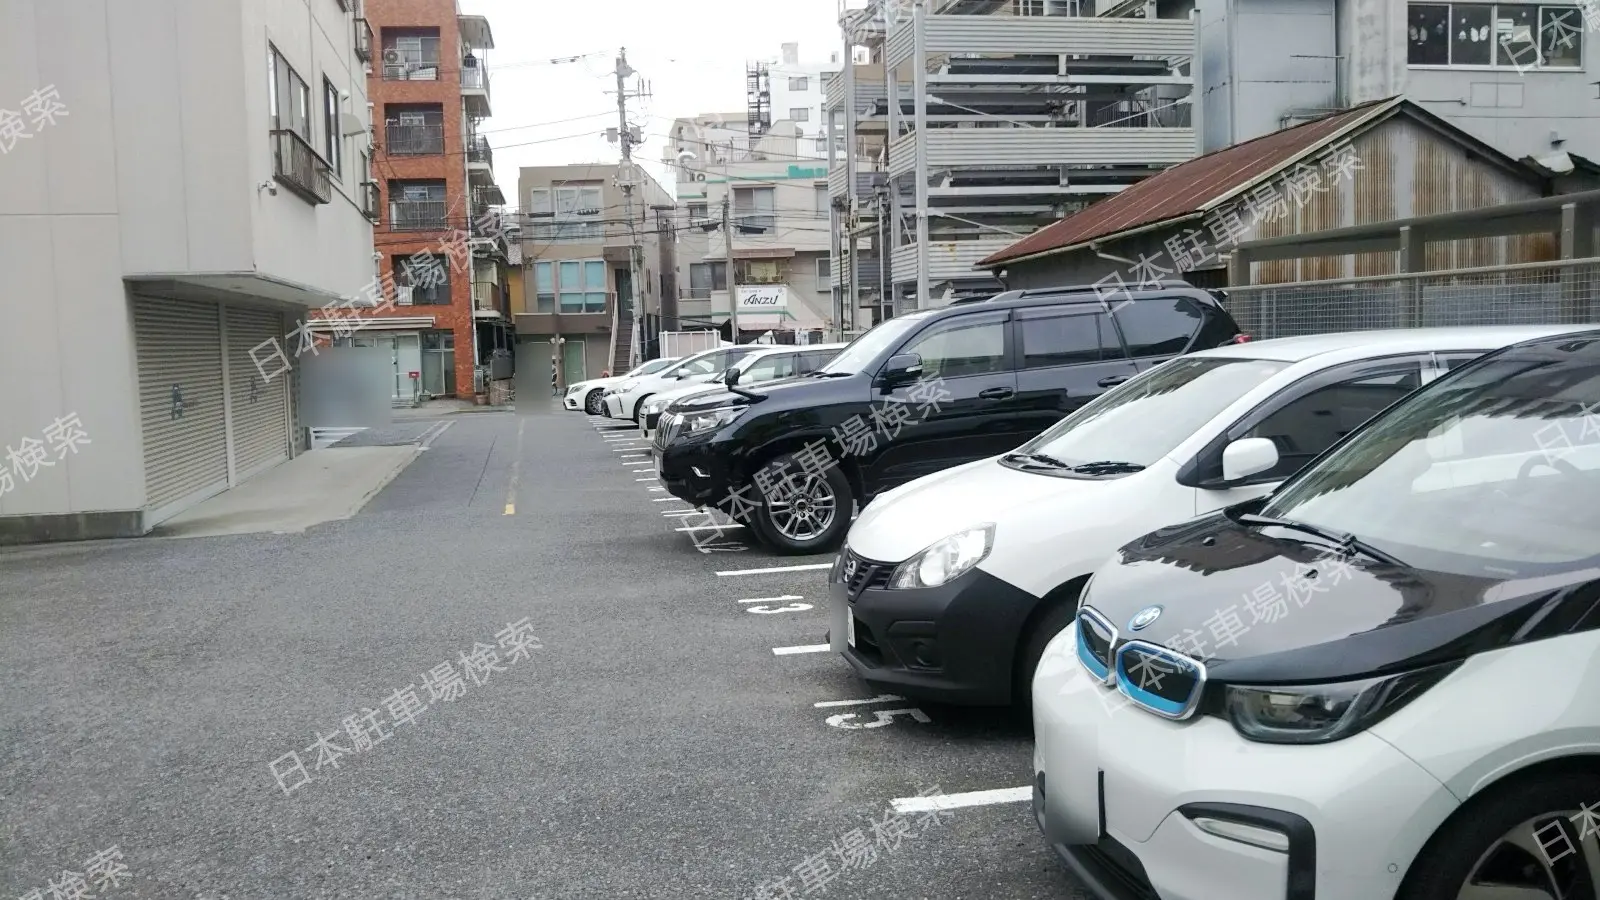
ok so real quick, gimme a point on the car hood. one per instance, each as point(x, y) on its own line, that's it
point(593, 383)
point(900, 523)
point(1261, 608)
point(681, 391)
point(719, 396)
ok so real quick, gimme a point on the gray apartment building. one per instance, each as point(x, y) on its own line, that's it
point(579, 303)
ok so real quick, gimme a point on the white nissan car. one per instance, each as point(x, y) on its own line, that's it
point(585, 395)
point(1381, 682)
point(949, 587)
point(622, 400)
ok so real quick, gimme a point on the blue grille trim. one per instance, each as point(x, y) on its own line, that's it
point(1177, 663)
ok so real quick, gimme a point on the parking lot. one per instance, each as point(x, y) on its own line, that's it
point(677, 730)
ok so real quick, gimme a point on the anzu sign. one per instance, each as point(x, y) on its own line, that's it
point(769, 299)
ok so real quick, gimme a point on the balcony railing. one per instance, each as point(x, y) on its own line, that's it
point(413, 140)
point(369, 200)
point(474, 78)
point(298, 167)
point(486, 295)
point(478, 151)
point(414, 70)
point(417, 215)
point(363, 40)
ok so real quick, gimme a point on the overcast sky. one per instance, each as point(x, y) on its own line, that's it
point(693, 53)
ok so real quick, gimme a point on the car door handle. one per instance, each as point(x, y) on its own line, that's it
point(1113, 380)
point(999, 393)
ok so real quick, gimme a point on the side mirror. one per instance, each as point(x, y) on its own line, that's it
point(900, 369)
point(1246, 457)
point(730, 377)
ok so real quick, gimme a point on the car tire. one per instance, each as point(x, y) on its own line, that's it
point(638, 410)
point(591, 403)
point(786, 522)
point(1475, 846)
point(1040, 634)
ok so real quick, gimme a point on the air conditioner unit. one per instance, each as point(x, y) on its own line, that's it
point(402, 295)
point(392, 57)
point(699, 176)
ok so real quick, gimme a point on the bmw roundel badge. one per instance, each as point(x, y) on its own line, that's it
point(1144, 618)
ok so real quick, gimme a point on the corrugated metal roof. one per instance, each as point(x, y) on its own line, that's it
point(1194, 186)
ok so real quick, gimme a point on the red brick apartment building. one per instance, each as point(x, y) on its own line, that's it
point(432, 186)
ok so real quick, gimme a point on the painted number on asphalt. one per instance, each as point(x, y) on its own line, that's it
point(771, 610)
point(881, 718)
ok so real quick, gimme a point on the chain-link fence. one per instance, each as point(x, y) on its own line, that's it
point(1545, 293)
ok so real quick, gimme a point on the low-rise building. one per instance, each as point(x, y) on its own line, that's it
point(163, 235)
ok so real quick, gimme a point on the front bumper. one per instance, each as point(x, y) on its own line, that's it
point(612, 405)
point(1118, 793)
point(955, 643)
point(697, 473)
point(573, 400)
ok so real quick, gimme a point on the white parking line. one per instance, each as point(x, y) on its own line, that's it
point(882, 698)
point(647, 479)
point(683, 512)
point(808, 648)
point(655, 489)
point(627, 450)
point(783, 599)
point(806, 568)
point(957, 801)
point(707, 527)
point(666, 500)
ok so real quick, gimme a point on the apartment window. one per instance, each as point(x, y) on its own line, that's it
point(707, 277)
point(581, 285)
point(760, 271)
point(824, 274)
point(800, 114)
point(698, 211)
point(822, 144)
point(417, 206)
point(425, 276)
point(544, 281)
point(800, 84)
point(823, 205)
point(411, 54)
point(754, 208)
point(1495, 35)
point(288, 97)
point(413, 130)
point(333, 141)
point(571, 211)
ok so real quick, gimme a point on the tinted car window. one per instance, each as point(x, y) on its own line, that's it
point(1310, 424)
point(778, 365)
point(813, 360)
point(1064, 338)
point(1159, 327)
point(966, 345)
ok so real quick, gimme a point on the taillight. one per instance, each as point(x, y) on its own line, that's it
point(1241, 339)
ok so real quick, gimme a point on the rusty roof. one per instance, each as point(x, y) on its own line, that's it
point(1192, 187)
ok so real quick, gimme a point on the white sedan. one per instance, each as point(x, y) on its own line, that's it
point(622, 400)
point(585, 395)
point(770, 364)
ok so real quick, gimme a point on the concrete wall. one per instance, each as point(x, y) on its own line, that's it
point(1259, 59)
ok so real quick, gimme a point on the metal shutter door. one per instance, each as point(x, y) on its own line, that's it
point(259, 406)
point(179, 350)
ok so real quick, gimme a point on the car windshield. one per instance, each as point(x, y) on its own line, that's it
point(683, 365)
point(865, 349)
point(651, 367)
point(1494, 472)
point(1143, 420)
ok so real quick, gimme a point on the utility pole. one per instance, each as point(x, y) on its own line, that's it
point(727, 235)
point(919, 35)
point(627, 182)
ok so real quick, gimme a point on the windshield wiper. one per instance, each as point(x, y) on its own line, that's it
point(1344, 539)
point(1040, 458)
point(1106, 467)
point(820, 374)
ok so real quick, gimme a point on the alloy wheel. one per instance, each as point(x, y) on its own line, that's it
point(591, 403)
point(1554, 856)
point(801, 509)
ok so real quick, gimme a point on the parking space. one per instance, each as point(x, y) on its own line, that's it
point(868, 753)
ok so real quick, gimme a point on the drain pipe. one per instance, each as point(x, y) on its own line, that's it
point(1095, 247)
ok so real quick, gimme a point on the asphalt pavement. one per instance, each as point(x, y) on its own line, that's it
point(512, 675)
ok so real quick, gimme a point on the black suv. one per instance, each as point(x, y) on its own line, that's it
point(916, 394)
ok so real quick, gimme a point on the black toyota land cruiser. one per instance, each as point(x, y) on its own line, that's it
point(919, 393)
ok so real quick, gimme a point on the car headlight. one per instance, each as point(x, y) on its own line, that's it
point(710, 420)
point(945, 560)
point(627, 386)
point(1322, 713)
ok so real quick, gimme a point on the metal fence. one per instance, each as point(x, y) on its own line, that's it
point(1544, 293)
